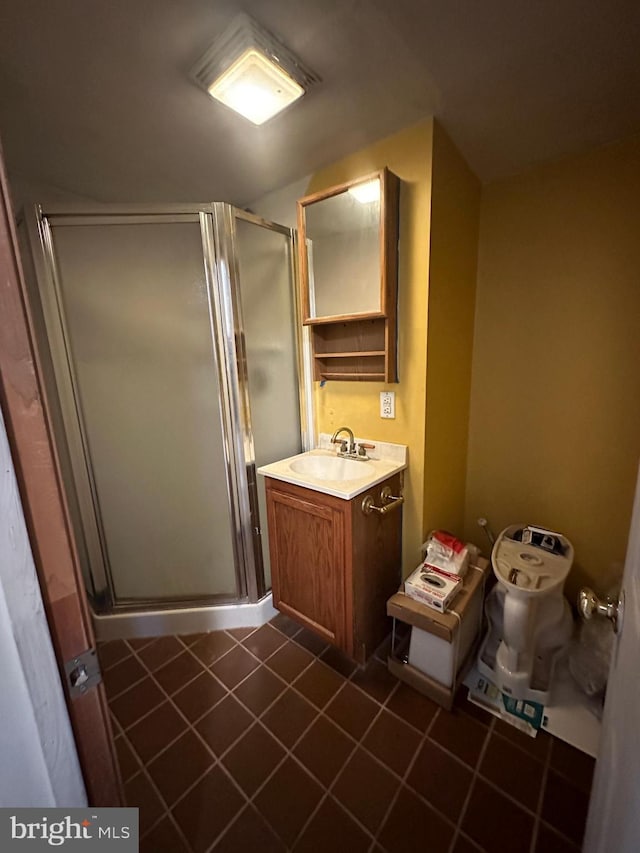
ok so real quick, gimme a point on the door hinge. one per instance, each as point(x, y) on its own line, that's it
point(83, 673)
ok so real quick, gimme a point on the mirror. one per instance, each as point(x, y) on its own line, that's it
point(342, 250)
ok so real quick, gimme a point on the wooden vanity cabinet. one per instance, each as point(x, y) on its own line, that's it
point(333, 567)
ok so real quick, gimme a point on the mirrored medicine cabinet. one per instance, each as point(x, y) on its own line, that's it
point(349, 272)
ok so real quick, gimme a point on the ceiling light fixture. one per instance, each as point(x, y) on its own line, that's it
point(250, 71)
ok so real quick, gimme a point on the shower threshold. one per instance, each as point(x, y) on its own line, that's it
point(182, 620)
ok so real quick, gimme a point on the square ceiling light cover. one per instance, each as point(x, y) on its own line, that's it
point(250, 71)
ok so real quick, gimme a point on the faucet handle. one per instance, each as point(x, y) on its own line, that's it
point(343, 444)
point(363, 447)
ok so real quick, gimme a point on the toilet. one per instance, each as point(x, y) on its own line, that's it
point(529, 619)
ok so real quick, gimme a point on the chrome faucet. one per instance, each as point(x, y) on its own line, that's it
point(346, 448)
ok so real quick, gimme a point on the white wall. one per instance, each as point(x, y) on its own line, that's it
point(28, 190)
point(280, 205)
point(39, 764)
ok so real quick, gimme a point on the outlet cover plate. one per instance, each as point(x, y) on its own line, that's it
point(387, 404)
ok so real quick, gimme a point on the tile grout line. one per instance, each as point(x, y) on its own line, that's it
point(168, 809)
point(190, 727)
point(247, 807)
point(474, 777)
point(398, 776)
point(137, 759)
point(134, 654)
point(527, 809)
point(537, 818)
point(426, 737)
point(130, 686)
point(541, 793)
point(405, 776)
point(289, 750)
point(256, 719)
point(320, 712)
point(174, 705)
point(328, 788)
point(142, 766)
point(288, 753)
point(228, 692)
point(566, 838)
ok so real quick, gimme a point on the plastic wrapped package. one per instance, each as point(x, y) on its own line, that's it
point(590, 656)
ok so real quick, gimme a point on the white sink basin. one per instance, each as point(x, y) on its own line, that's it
point(331, 468)
point(322, 471)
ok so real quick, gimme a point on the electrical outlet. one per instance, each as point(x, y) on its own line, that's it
point(387, 404)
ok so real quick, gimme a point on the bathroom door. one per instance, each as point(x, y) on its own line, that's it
point(28, 427)
point(613, 824)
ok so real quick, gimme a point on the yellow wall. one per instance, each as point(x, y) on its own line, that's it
point(455, 212)
point(554, 431)
point(555, 408)
point(357, 404)
point(439, 209)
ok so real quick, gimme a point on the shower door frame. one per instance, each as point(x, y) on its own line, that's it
point(216, 221)
point(225, 262)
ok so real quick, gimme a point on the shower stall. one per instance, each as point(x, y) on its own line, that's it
point(173, 366)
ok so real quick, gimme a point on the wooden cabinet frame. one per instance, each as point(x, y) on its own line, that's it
point(360, 347)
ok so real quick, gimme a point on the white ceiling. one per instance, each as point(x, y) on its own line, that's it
point(95, 95)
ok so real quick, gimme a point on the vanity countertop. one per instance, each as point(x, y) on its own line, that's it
point(384, 461)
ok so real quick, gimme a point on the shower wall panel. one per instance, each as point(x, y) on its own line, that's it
point(173, 343)
point(136, 310)
point(266, 298)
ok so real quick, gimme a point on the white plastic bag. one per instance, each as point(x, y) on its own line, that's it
point(590, 656)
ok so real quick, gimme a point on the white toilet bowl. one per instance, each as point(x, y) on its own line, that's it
point(529, 618)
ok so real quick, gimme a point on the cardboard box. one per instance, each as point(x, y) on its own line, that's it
point(443, 625)
point(443, 645)
point(525, 715)
point(421, 682)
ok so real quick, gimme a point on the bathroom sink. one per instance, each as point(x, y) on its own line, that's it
point(323, 471)
point(331, 467)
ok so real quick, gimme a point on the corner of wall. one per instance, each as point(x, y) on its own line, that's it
point(555, 417)
point(455, 215)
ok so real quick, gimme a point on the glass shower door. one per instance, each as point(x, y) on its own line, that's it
point(151, 464)
point(264, 254)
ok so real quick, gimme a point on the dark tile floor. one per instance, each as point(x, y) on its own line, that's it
point(266, 739)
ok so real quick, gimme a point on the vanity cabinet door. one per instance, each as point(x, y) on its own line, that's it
point(307, 547)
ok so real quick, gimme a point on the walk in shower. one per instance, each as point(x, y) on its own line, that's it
point(173, 369)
